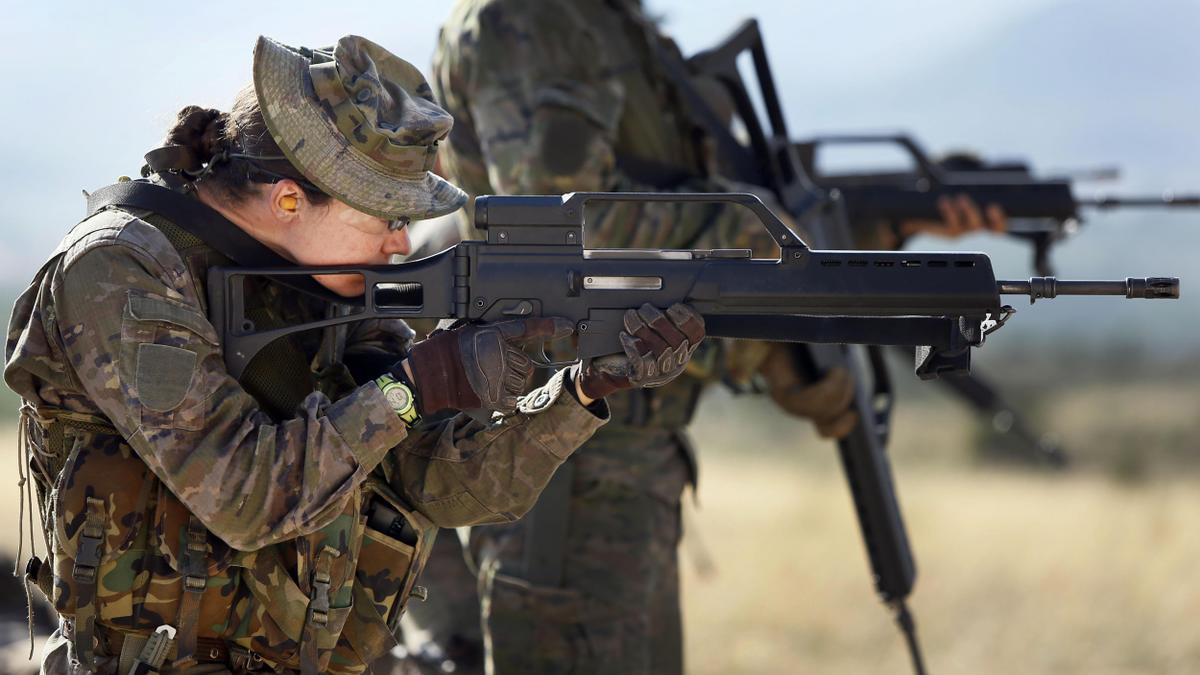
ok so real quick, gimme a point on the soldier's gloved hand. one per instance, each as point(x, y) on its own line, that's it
point(479, 365)
point(827, 402)
point(657, 347)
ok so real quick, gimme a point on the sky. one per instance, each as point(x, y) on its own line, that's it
point(102, 81)
point(1067, 84)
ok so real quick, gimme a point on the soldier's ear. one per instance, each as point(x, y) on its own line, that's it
point(286, 200)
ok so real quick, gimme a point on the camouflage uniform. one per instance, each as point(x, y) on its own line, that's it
point(236, 512)
point(552, 96)
point(112, 335)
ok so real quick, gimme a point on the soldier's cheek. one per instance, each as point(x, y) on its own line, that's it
point(345, 285)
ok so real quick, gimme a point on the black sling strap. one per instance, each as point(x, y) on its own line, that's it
point(207, 224)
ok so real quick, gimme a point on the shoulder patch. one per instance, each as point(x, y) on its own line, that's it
point(164, 375)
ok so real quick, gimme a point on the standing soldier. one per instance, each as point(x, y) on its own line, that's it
point(197, 523)
point(553, 96)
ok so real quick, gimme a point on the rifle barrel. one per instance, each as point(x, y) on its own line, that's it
point(1165, 200)
point(1148, 288)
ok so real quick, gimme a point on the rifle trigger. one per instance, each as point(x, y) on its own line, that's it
point(543, 360)
point(522, 308)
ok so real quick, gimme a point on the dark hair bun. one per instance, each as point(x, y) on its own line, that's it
point(201, 130)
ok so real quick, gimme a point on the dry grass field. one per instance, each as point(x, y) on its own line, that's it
point(1094, 570)
point(1017, 575)
point(1019, 571)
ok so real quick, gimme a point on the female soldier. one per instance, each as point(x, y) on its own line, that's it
point(204, 524)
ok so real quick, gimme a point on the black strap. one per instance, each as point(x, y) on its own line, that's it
point(210, 226)
point(698, 110)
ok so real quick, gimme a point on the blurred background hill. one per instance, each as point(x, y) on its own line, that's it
point(1022, 569)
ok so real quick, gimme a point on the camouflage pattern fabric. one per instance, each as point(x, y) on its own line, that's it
point(552, 96)
point(169, 468)
point(359, 122)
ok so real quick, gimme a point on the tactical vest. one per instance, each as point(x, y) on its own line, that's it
point(130, 560)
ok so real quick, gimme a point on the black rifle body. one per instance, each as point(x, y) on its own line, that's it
point(1042, 211)
point(533, 264)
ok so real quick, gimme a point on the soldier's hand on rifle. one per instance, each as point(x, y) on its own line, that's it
point(828, 402)
point(657, 348)
point(479, 366)
point(960, 215)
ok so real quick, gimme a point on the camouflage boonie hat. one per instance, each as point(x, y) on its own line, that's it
point(359, 122)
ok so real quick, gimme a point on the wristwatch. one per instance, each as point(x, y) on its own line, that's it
point(401, 397)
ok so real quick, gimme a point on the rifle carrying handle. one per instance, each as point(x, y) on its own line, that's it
point(568, 210)
point(925, 166)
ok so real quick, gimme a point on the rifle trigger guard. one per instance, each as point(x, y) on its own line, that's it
point(543, 360)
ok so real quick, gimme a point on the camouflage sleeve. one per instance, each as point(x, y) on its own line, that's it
point(149, 359)
point(463, 471)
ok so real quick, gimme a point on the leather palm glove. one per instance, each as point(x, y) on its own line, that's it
point(657, 348)
point(475, 366)
point(827, 402)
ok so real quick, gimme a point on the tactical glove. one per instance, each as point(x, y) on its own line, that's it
point(827, 401)
point(657, 348)
point(479, 366)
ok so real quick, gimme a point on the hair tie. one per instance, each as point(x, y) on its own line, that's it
point(222, 156)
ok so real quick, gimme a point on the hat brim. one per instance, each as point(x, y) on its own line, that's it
point(313, 144)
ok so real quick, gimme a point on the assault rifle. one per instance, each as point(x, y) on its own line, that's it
point(1043, 211)
point(533, 264)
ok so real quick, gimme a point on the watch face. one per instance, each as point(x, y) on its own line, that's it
point(398, 398)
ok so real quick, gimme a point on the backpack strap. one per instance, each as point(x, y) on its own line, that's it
point(85, 573)
point(195, 580)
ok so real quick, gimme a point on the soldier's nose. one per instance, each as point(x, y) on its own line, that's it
point(397, 243)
